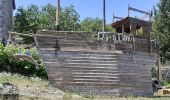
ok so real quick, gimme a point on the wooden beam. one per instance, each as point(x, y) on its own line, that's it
point(58, 15)
point(104, 15)
point(137, 10)
point(21, 34)
point(116, 17)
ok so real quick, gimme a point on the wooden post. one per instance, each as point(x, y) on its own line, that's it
point(113, 17)
point(128, 10)
point(159, 69)
point(58, 15)
point(104, 15)
point(159, 64)
point(133, 43)
point(123, 30)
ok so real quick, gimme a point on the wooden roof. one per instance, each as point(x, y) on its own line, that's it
point(129, 20)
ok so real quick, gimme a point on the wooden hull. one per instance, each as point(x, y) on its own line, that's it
point(76, 64)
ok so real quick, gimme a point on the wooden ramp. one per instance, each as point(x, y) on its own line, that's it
point(76, 63)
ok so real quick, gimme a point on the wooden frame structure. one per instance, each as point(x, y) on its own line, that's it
point(140, 11)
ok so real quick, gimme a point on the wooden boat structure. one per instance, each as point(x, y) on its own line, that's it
point(111, 64)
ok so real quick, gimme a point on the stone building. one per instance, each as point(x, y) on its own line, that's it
point(6, 13)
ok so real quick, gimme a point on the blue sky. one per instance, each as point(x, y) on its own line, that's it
point(93, 8)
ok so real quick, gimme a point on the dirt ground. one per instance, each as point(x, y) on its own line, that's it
point(38, 89)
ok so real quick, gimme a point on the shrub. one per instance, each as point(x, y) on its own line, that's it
point(9, 63)
point(154, 72)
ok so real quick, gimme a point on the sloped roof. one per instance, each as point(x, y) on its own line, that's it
point(132, 20)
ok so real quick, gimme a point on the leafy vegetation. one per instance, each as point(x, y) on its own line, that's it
point(161, 28)
point(91, 24)
point(154, 72)
point(33, 18)
point(9, 63)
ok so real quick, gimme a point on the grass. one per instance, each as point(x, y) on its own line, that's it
point(41, 90)
point(23, 81)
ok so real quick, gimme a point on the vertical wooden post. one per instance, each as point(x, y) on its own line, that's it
point(159, 69)
point(150, 44)
point(128, 10)
point(104, 15)
point(123, 30)
point(58, 15)
point(113, 17)
point(159, 64)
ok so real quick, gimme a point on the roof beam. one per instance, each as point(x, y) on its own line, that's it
point(137, 10)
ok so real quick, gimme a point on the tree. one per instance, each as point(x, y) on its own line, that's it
point(161, 28)
point(69, 19)
point(91, 24)
point(26, 20)
point(32, 19)
point(109, 28)
point(47, 17)
point(94, 24)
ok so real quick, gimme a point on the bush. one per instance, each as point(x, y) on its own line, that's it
point(9, 63)
point(154, 72)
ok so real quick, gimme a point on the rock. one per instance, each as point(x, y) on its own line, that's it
point(9, 91)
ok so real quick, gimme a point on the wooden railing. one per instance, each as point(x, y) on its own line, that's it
point(137, 42)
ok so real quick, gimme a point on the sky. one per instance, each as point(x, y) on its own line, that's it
point(93, 8)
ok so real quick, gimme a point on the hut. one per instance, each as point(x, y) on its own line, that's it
point(6, 14)
point(140, 29)
point(132, 25)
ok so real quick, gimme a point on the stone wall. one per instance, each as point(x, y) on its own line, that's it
point(6, 13)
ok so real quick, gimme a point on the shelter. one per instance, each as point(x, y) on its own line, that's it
point(134, 26)
point(140, 29)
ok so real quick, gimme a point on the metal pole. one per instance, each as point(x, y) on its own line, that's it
point(58, 15)
point(104, 15)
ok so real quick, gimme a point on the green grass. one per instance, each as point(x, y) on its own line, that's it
point(23, 81)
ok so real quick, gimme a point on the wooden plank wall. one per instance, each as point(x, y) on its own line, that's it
point(135, 74)
point(76, 64)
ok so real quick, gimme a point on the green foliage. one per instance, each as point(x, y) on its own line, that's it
point(109, 28)
point(161, 28)
point(32, 19)
point(47, 17)
point(139, 32)
point(164, 83)
point(94, 24)
point(27, 21)
point(154, 72)
point(91, 24)
point(69, 19)
point(9, 63)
